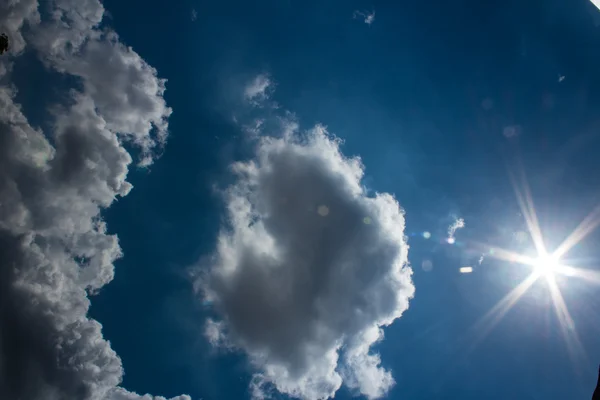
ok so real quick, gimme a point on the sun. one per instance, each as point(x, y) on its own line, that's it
point(543, 264)
point(546, 265)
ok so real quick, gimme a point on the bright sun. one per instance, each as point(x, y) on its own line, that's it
point(543, 264)
point(546, 265)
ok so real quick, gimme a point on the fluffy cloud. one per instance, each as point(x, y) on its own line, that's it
point(124, 88)
point(54, 246)
point(13, 15)
point(309, 269)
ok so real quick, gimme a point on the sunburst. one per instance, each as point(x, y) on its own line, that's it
point(544, 265)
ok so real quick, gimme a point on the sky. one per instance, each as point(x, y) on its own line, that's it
point(312, 200)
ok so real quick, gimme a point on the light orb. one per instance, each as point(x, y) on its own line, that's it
point(546, 265)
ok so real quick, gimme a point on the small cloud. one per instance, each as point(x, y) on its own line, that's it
point(466, 270)
point(214, 333)
point(459, 223)
point(367, 17)
point(561, 78)
point(481, 259)
point(259, 89)
point(194, 15)
point(254, 129)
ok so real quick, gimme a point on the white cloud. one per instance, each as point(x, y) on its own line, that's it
point(194, 15)
point(121, 394)
point(304, 293)
point(458, 223)
point(363, 369)
point(54, 246)
point(258, 90)
point(366, 16)
point(259, 387)
point(213, 330)
point(124, 88)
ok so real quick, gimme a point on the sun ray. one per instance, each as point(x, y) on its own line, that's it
point(527, 207)
point(588, 275)
point(586, 226)
point(503, 254)
point(489, 321)
point(567, 326)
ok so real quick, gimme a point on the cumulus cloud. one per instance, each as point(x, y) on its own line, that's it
point(258, 90)
point(55, 249)
point(458, 223)
point(366, 16)
point(13, 16)
point(124, 88)
point(304, 292)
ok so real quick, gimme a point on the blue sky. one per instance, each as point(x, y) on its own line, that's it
point(455, 110)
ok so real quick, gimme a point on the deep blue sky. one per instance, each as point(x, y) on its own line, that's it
point(407, 94)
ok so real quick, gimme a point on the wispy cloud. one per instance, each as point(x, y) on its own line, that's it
point(54, 246)
point(366, 16)
point(309, 269)
point(259, 89)
point(194, 15)
point(458, 223)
